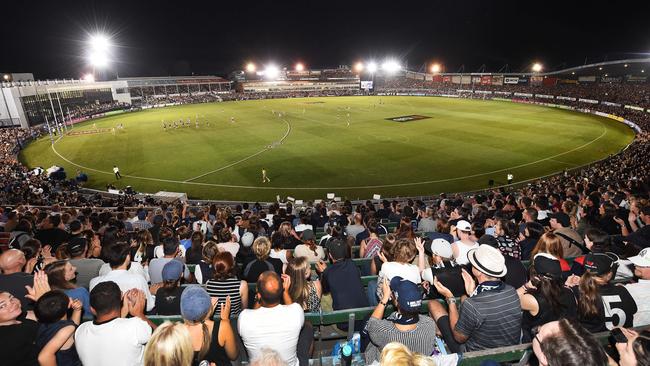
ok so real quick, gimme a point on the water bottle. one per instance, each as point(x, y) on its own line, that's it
point(346, 355)
point(356, 342)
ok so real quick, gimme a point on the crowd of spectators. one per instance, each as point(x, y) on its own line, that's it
point(551, 263)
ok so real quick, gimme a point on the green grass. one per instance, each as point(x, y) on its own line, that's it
point(460, 147)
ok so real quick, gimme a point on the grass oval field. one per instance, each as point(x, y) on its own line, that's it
point(311, 149)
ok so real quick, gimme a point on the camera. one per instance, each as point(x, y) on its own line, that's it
point(617, 336)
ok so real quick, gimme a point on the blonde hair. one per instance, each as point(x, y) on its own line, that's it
point(396, 354)
point(170, 345)
point(299, 289)
point(261, 248)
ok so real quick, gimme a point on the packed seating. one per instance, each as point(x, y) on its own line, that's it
point(549, 268)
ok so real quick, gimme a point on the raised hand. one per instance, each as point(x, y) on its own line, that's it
point(470, 285)
point(39, 288)
point(419, 244)
point(225, 309)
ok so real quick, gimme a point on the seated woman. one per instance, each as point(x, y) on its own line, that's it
point(204, 271)
point(602, 305)
point(598, 241)
point(371, 246)
point(303, 290)
point(545, 298)
point(309, 249)
point(551, 244)
point(213, 341)
point(262, 262)
point(406, 325)
point(529, 238)
point(403, 253)
point(168, 297)
point(506, 233)
point(226, 284)
point(60, 275)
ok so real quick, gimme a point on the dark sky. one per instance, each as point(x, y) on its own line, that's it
point(156, 37)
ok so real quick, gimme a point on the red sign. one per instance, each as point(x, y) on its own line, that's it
point(486, 80)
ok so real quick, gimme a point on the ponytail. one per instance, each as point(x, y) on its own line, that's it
point(589, 296)
point(205, 345)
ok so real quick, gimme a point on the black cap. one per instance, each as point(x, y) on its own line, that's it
point(547, 265)
point(600, 263)
point(337, 249)
point(562, 218)
point(77, 245)
point(75, 226)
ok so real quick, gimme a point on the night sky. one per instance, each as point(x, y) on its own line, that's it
point(155, 38)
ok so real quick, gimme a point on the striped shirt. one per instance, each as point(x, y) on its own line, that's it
point(382, 332)
point(221, 289)
point(491, 319)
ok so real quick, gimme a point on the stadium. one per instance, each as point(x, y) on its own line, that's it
point(377, 211)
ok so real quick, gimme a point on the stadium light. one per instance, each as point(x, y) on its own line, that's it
point(300, 66)
point(98, 55)
point(6, 77)
point(435, 68)
point(372, 67)
point(250, 67)
point(358, 67)
point(98, 59)
point(271, 71)
point(391, 66)
point(537, 67)
point(89, 77)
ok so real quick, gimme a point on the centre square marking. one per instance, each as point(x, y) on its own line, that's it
point(409, 118)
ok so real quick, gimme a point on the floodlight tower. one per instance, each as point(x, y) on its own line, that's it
point(537, 67)
point(98, 53)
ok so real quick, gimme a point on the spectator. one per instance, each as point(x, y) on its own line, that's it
point(427, 220)
point(404, 252)
point(529, 238)
point(572, 244)
point(405, 325)
point(278, 251)
point(551, 244)
point(566, 342)
point(170, 345)
point(262, 262)
point(119, 259)
point(61, 275)
point(141, 223)
point(226, 284)
point(204, 270)
point(112, 339)
point(370, 246)
point(641, 237)
point(285, 237)
point(356, 226)
point(171, 251)
point(464, 244)
point(168, 297)
point(228, 242)
point(21, 234)
point(517, 274)
point(303, 290)
point(607, 221)
point(309, 249)
point(506, 233)
point(51, 232)
point(12, 279)
point(490, 317)
point(442, 266)
point(636, 351)
point(544, 298)
point(640, 291)
point(272, 325)
point(211, 340)
point(596, 293)
point(143, 251)
point(55, 338)
point(87, 268)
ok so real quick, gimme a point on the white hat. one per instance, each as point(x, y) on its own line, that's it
point(463, 225)
point(488, 260)
point(247, 239)
point(441, 247)
point(643, 259)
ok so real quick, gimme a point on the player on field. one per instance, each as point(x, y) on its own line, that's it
point(265, 178)
point(232, 119)
point(116, 170)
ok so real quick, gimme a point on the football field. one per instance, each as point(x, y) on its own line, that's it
point(351, 146)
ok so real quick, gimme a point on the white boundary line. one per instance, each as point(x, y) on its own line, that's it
point(333, 188)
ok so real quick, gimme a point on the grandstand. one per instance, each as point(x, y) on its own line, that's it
point(601, 207)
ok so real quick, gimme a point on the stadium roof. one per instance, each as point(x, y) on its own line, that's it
point(639, 66)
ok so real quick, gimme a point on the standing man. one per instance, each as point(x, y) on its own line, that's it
point(116, 170)
point(265, 178)
point(510, 178)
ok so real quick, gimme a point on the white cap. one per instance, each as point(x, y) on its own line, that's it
point(463, 225)
point(643, 259)
point(441, 247)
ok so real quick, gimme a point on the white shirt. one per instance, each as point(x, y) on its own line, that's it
point(641, 294)
point(116, 169)
point(406, 271)
point(119, 342)
point(126, 281)
point(303, 250)
point(462, 251)
point(230, 247)
point(135, 268)
point(276, 328)
point(158, 251)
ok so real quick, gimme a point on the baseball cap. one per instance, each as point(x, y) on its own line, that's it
point(642, 259)
point(600, 263)
point(308, 235)
point(562, 218)
point(337, 249)
point(172, 270)
point(441, 247)
point(142, 215)
point(247, 239)
point(406, 293)
point(77, 245)
point(463, 225)
point(547, 265)
point(195, 303)
point(488, 260)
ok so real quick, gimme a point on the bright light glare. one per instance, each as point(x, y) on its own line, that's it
point(435, 68)
point(390, 66)
point(250, 67)
point(537, 67)
point(271, 71)
point(98, 59)
point(358, 67)
point(300, 66)
point(5, 76)
point(372, 67)
point(89, 77)
point(99, 42)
